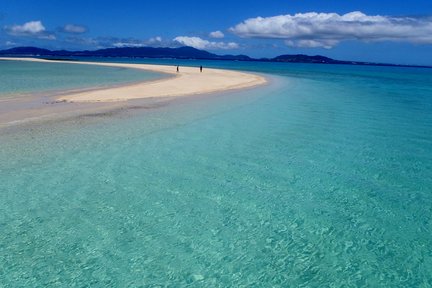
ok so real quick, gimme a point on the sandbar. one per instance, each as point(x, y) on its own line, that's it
point(188, 81)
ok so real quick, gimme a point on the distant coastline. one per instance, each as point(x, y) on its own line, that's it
point(181, 53)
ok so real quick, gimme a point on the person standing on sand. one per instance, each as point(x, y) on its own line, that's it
point(201, 68)
point(177, 68)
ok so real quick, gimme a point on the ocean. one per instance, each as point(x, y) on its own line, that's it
point(322, 178)
point(19, 78)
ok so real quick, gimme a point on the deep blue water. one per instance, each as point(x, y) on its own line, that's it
point(320, 179)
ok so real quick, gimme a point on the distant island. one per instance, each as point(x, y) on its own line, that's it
point(179, 53)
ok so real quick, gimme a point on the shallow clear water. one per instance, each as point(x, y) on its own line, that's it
point(321, 179)
point(17, 77)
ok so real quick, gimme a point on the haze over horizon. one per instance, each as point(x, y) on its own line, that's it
point(399, 32)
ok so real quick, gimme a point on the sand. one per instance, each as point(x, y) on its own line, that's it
point(188, 81)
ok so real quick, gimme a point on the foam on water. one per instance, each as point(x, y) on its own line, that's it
point(321, 179)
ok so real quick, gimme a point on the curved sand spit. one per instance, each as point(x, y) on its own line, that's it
point(188, 81)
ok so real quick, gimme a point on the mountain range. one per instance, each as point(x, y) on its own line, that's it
point(177, 53)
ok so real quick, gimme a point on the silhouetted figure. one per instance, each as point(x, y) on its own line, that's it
point(201, 68)
point(177, 68)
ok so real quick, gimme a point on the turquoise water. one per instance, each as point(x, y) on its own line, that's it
point(320, 179)
point(18, 77)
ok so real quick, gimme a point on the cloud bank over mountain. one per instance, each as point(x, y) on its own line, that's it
point(200, 43)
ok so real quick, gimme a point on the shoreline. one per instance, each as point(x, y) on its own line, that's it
point(50, 105)
point(189, 81)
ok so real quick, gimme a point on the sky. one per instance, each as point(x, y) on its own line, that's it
point(398, 31)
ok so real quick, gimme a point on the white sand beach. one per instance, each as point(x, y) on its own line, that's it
point(188, 81)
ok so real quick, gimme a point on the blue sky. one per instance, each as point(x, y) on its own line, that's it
point(396, 31)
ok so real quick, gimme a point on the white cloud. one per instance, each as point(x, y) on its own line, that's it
point(10, 43)
point(328, 29)
point(217, 34)
point(199, 43)
point(155, 40)
point(74, 29)
point(32, 28)
point(131, 42)
point(128, 44)
point(327, 44)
